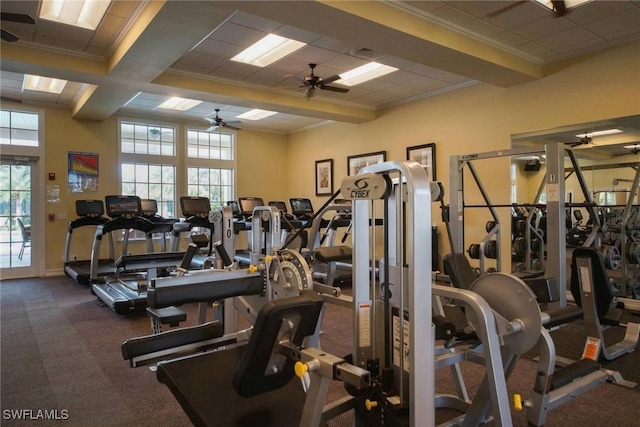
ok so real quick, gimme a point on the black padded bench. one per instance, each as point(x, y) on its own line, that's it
point(328, 254)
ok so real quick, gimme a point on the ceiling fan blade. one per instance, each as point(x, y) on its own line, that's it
point(231, 127)
point(330, 80)
point(212, 128)
point(232, 122)
point(9, 99)
point(9, 37)
point(17, 17)
point(559, 7)
point(504, 9)
point(334, 89)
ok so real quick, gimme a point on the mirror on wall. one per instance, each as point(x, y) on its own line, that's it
point(608, 154)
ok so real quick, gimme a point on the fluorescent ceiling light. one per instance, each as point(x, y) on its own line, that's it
point(632, 147)
point(256, 114)
point(180, 104)
point(268, 50)
point(80, 13)
point(364, 73)
point(43, 84)
point(599, 133)
point(568, 3)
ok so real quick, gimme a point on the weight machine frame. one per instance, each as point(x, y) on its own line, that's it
point(555, 184)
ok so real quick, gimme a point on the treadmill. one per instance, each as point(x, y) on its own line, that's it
point(90, 214)
point(125, 291)
point(163, 225)
point(195, 210)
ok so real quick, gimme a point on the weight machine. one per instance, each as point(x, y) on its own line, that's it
point(554, 182)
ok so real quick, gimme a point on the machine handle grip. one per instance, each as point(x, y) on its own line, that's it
point(192, 249)
point(226, 259)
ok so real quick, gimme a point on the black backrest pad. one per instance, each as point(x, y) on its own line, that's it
point(251, 377)
point(459, 270)
point(599, 279)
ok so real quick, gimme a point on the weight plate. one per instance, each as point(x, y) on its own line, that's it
point(510, 297)
point(289, 274)
point(474, 251)
point(491, 249)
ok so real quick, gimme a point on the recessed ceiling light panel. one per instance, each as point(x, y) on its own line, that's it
point(80, 13)
point(365, 73)
point(256, 114)
point(179, 104)
point(43, 84)
point(268, 50)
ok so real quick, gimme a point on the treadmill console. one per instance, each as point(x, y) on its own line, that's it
point(301, 208)
point(248, 204)
point(235, 209)
point(122, 206)
point(89, 208)
point(195, 207)
point(149, 207)
point(282, 207)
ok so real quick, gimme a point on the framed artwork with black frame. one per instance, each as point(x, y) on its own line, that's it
point(357, 162)
point(324, 177)
point(426, 156)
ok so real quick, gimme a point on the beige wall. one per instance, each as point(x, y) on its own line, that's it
point(478, 119)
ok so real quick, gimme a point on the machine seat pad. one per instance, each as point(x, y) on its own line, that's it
point(165, 296)
point(167, 315)
point(202, 384)
point(564, 315)
point(134, 347)
point(333, 253)
point(572, 372)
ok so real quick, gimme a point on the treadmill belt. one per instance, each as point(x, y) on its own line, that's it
point(203, 386)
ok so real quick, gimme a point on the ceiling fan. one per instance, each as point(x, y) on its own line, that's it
point(20, 18)
point(217, 122)
point(313, 82)
point(559, 8)
point(585, 140)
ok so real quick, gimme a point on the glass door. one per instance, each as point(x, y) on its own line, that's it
point(16, 254)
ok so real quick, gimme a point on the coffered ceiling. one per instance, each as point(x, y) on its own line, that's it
point(144, 52)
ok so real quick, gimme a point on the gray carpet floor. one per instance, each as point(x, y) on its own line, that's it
point(61, 351)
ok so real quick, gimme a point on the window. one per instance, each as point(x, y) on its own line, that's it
point(216, 184)
point(210, 166)
point(152, 156)
point(149, 181)
point(139, 138)
point(19, 128)
point(209, 145)
point(148, 164)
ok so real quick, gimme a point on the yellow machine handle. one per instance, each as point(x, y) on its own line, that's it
point(517, 402)
point(300, 369)
point(370, 404)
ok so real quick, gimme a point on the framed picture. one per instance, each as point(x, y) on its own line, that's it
point(324, 177)
point(355, 163)
point(426, 156)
